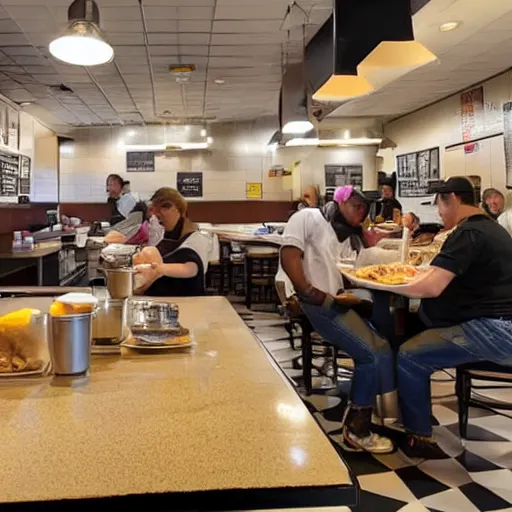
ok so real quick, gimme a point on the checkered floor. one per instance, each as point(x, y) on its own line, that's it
point(478, 477)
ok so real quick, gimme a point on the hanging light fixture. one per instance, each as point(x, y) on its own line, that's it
point(82, 43)
point(293, 102)
point(332, 57)
point(396, 53)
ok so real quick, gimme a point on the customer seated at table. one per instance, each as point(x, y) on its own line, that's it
point(505, 219)
point(493, 202)
point(466, 306)
point(180, 260)
point(388, 207)
point(311, 247)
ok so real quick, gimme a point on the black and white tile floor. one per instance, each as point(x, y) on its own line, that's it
point(478, 477)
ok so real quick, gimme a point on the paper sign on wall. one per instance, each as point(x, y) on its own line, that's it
point(253, 191)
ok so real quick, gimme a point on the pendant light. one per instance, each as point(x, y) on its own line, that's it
point(294, 98)
point(332, 57)
point(82, 44)
point(396, 52)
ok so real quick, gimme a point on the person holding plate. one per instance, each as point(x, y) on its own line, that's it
point(466, 307)
point(312, 244)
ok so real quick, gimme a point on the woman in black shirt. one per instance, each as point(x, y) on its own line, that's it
point(179, 262)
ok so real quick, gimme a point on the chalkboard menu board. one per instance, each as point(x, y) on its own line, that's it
point(415, 171)
point(9, 175)
point(190, 184)
point(341, 175)
point(140, 161)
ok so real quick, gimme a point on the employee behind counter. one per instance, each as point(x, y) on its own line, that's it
point(128, 218)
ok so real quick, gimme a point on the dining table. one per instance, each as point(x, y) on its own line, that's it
point(214, 427)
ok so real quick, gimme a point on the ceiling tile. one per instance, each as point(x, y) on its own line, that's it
point(241, 27)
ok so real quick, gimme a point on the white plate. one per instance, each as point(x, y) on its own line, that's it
point(399, 289)
point(156, 348)
point(30, 373)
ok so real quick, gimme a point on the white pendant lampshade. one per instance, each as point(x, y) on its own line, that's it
point(298, 127)
point(82, 44)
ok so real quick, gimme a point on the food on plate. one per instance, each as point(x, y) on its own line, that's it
point(423, 255)
point(20, 342)
point(393, 274)
point(61, 309)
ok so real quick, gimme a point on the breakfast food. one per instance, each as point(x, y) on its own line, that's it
point(61, 309)
point(20, 342)
point(393, 274)
point(423, 255)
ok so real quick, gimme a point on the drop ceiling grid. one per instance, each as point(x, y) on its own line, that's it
point(239, 42)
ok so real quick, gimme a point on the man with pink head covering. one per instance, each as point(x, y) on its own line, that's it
point(313, 242)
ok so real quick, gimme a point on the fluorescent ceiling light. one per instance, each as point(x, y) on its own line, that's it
point(361, 141)
point(82, 45)
point(203, 132)
point(302, 141)
point(297, 127)
point(219, 81)
point(209, 140)
point(448, 26)
point(178, 146)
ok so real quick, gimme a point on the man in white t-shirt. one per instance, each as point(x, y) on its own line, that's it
point(311, 247)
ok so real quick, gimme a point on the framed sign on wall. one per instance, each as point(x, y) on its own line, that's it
point(140, 161)
point(341, 175)
point(416, 170)
point(190, 184)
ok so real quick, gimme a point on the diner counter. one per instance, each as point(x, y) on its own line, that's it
point(221, 424)
point(36, 253)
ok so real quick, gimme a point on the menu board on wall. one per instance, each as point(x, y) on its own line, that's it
point(415, 171)
point(140, 161)
point(24, 183)
point(507, 141)
point(341, 175)
point(190, 184)
point(9, 175)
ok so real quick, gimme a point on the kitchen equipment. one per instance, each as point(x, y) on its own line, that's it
point(118, 255)
point(150, 316)
point(70, 343)
point(119, 282)
point(109, 322)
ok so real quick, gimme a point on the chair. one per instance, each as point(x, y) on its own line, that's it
point(260, 271)
point(489, 372)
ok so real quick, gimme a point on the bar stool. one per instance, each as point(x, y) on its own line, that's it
point(260, 271)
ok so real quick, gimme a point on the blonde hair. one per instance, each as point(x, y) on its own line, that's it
point(167, 197)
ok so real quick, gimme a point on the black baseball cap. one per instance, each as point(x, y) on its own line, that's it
point(455, 185)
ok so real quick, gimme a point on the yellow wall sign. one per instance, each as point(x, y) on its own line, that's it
point(253, 190)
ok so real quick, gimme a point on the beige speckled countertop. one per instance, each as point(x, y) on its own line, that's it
point(219, 417)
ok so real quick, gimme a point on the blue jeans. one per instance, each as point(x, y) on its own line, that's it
point(374, 372)
point(474, 341)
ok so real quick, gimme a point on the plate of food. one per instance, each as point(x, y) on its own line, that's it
point(23, 348)
point(159, 342)
point(391, 277)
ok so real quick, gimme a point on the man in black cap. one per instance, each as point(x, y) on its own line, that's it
point(466, 305)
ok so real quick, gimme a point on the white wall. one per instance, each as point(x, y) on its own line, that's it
point(40, 145)
point(439, 126)
point(238, 156)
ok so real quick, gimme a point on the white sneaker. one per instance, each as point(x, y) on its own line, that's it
point(372, 443)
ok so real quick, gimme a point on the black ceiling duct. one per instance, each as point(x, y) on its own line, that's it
point(354, 33)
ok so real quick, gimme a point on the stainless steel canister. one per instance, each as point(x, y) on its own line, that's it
point(119, 282)
point(70, 343)
point(109, 322)
point(152, 316)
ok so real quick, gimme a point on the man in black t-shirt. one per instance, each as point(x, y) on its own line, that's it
point(466, 304)
point(388, 206)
